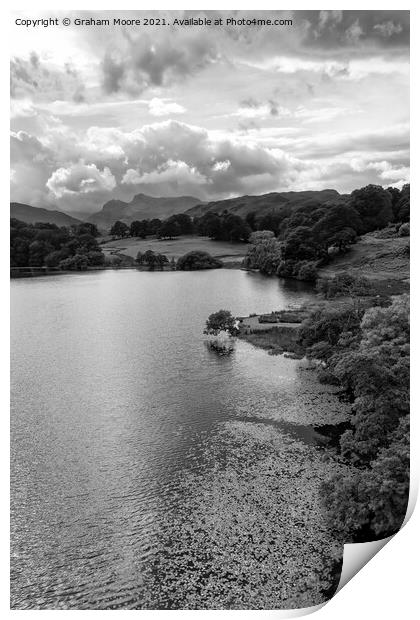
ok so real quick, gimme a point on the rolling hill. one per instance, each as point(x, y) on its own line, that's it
point(31, 215)
point(142, 207)
point(265, 204)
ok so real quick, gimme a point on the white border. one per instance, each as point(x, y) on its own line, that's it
point(387, 586)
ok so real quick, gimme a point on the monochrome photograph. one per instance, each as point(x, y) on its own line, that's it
point(210, 290)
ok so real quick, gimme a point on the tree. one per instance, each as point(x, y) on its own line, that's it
point(250, 219)
point(339, 226)
point(371, 362)
point(154, 225)
point(168, 230)
point(120, 230)
point(211, 226)
point(19, 252)
point(53, 258)
point(78, 262)
point(301, 244)
point(306, 271)
point(86, 228)
point(221, 321)
point(161, 260)
point(373, 501)
point(374, 205)
point(138, 229)
point(264, 253)
point(38, 250)
point(260, 235)
point(87, 243)
point(184, 223)
point(149, 258)
point(95, 258)
point(196, 260)
point(344, 284)
point(402, 207)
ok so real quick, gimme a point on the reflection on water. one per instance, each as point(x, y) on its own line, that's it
point(114, 399)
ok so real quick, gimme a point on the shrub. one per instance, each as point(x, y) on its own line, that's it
point(219, 321)
point(285, 269)
point(78, 262)
point(306, 271)
point(196, 260)
point(343, 284)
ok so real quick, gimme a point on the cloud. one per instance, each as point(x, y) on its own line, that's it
point(79, 179)
point(345, 70)
point(83, 133)
point(175, 158)
point(358, 29)
point(164, 107)
point(221, 166)
point(387, 29)
point(253, 109)
point(319, 115)
point(148, 60)
point(31, 78)
point(174, 176)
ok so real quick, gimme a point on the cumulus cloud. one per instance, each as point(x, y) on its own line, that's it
point(174, 158)
point(173, 175)
point(80, 178)
point(164, 107)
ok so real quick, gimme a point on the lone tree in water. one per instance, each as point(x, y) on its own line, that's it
point(221, 321)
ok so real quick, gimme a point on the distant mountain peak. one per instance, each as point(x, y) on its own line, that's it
point(141, 207)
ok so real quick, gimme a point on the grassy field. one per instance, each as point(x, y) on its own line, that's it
point(227, 252)
point(383, 261)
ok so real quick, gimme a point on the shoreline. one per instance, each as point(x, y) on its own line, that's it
point(36, 272)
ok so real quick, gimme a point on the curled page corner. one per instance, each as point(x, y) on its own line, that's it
point(357, 555)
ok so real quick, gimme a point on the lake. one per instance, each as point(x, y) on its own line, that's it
point(124, 426)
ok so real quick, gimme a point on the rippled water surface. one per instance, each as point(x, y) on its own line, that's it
point(115, 402)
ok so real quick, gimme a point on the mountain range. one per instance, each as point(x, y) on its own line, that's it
point(32, 215)
point(265, 204)
point(147, 207)
point(142, 207)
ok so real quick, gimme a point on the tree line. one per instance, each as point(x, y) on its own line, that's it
point(223, 227)
point(48, 245)
point(364, 349)
point(296, 242)
point(191, 261)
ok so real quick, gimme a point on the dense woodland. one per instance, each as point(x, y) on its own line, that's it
point(47, 245)
point(309, 237)
point(364, 349)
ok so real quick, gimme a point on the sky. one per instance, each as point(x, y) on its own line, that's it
point(107, 112)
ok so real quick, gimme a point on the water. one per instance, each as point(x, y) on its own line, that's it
point(115, 400)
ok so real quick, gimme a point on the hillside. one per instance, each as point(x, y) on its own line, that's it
point(174, 248)
point(142, 207)
point(265, 204)
point(385, 261)
point(31, 215)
